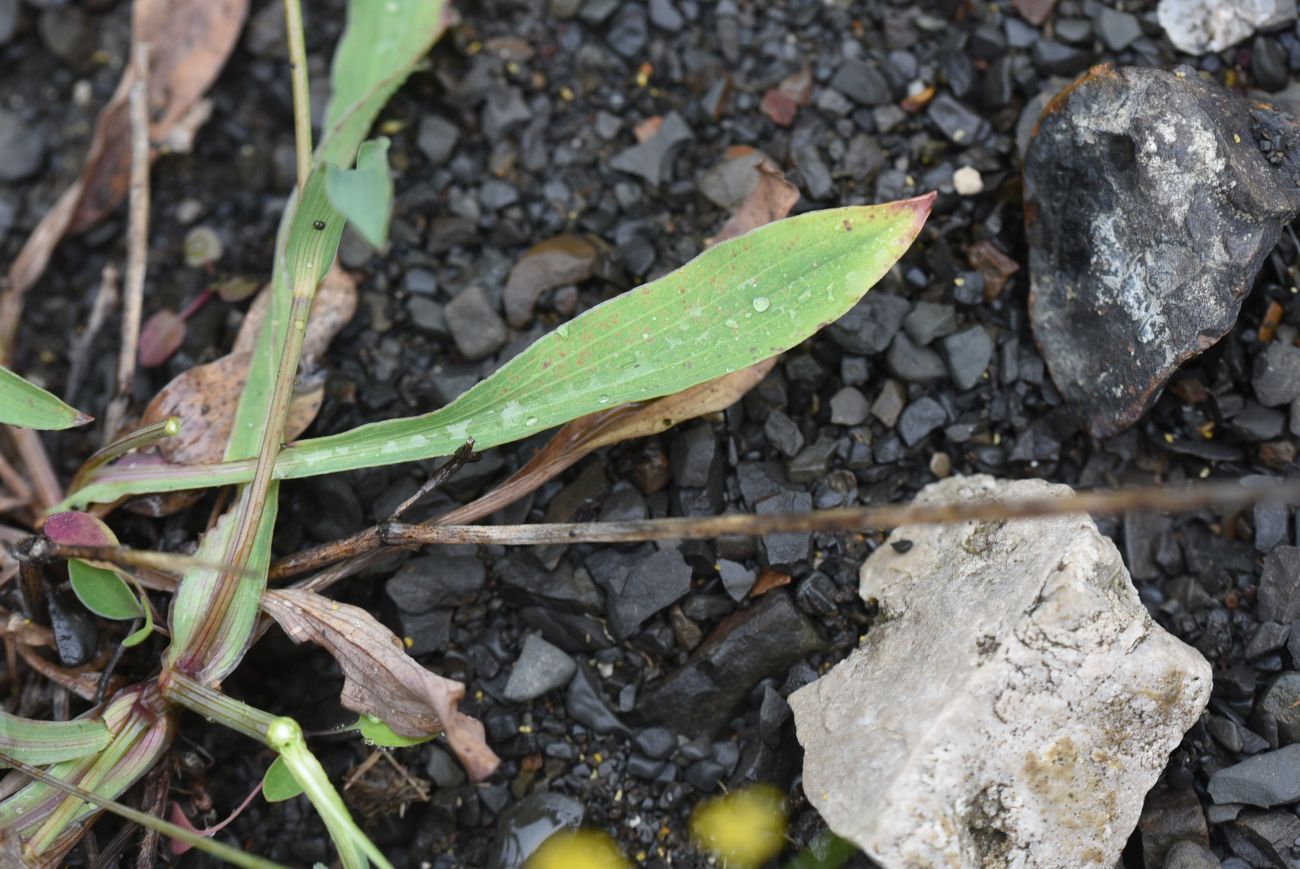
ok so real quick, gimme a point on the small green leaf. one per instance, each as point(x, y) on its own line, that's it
point(103, 592)
point(376, 731)
point(279, 783)
point(142, 633)
point(364, 195)
point(24, 403)
point(381, 44)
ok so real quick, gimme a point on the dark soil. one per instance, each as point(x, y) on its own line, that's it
point(542, 101)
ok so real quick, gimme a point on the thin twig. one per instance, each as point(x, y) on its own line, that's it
point(105, 302)
point(846, 519)
point(301, 90)
point(137, 253)
point(154, 801)
point(32, 457)
point(462, 457)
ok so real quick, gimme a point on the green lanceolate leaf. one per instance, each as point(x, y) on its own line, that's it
point(376, 731)
point(24, 403)
point(279, 784)
point(735, 304)
point(198, 585)
point(44, 742)
point(364, 195)
point(103, 592)
point(381, 45)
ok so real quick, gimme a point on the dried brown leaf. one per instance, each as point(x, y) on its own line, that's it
point(188, 43)
point(160, 337)
point(380, 679)
point(565, 259)
point(586, 434)
point(771, 199)
point(206, 397)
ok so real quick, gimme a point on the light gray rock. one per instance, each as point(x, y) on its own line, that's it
point(1011, 707)
point(1198, 26)
point(541, 667)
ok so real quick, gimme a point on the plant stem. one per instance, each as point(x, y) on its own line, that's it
point(285, 737)
point(301, 92)
point(137, 258)
point(141, 437)
point(249, 510)
point(218, 707)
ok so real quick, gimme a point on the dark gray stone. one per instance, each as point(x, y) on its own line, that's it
point(1190, 855)
point(1276, 375)
point(651, 585)
point(1168, 816)
point(849, 407)
point(928, 321)
point(445, 771)
point(522, 828)
point(1281, 700)
point(1257, 423)
point(1117, 30)
point(8, 19)
point(1154, 207)
point(736, 578)
point(862, 82)
point(961, 124)
point(629, 32)
point(1278, 599)
point(919, 419)
point(871, 324)
point(432, 581)
point(22, 148)
point(1266, 638)
point(863, 160)
point(652, 159)
point(503, 110)
point(424, 633)
point(541, 668)
point(783, 433)
point(656, 742)
point(889, 403)
point(692, 455)
point(68, 35)
point(1057, 58)
point(914, 364)
point(586, 706)
point(1265, 780)
point(1266, 838)
point(817, 183)
point(968, 354)
point(623, 504)
point(437, 138)
point(475, 325)
point(664, 15)
point(764, 640)
point(791, 546)
point(1272, 525)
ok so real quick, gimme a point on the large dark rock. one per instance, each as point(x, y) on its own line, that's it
point(764, 640)
point(1152, 199)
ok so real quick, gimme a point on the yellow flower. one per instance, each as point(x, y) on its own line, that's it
point(578, 849)
point(743, 828)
